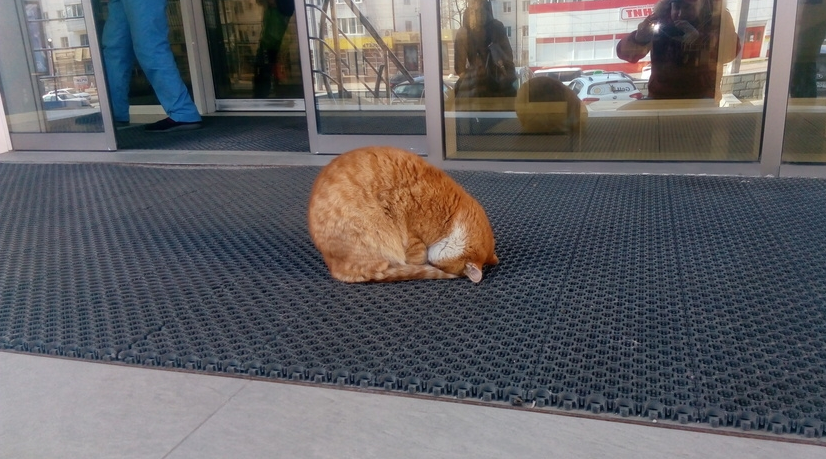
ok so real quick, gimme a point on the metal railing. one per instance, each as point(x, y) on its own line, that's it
point(331, 63)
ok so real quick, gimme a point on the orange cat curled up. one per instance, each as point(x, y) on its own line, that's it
point(382, 214)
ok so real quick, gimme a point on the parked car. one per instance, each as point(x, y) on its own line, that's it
point(602, 72)
point(563, 74)
point(412, 93)
point(62, 100)
point(399, 78)
point(72, 92)
point(646, 72)
point(614, 88)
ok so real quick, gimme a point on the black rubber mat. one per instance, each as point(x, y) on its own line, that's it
point(694, 300)
point(371, 123)
point(225, 133)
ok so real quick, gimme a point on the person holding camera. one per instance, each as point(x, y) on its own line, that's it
point(689, 42)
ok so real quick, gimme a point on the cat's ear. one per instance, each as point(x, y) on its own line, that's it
point(494, 260)
point(473, 272)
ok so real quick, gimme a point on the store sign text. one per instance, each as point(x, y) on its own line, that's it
point(637, 12)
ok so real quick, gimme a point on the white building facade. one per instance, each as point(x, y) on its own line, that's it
point(585, 33)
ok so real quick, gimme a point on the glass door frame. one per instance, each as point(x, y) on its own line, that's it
point(203, 85)
point(769, 163)
point(69, 141)
point(335, 144)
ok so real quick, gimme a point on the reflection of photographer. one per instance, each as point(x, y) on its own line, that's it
point(483, 58)
point(689, 41)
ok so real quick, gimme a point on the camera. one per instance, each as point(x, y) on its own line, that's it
point(668, 30)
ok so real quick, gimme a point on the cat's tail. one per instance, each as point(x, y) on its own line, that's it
point(412, 272)
point(385, 272)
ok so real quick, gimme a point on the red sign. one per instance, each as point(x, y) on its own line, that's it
point(636, 13)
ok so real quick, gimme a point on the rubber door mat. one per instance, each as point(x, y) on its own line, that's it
point(225, 133)
point(693, 300)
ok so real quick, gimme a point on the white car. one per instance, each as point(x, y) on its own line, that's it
point(602, 72)
point(407, 93)
point(63, 100)
point(563, 74)
point(610, 90)
point(72, 92)
point(646, 72)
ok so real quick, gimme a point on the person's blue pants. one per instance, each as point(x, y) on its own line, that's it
point(138, 29)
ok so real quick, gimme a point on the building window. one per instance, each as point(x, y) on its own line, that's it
point(61, 14)
point(84, 39)
point(506, 7)
point(350, 26)
point(64, 42)
point(525, 4)
point(408, 26)
point(74, 11)
point(508, 30)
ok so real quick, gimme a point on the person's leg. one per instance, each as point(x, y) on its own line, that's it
point(261, 79)
point(118, 59)
point(150, 31)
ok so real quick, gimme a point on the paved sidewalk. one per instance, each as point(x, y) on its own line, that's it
point(57, 408)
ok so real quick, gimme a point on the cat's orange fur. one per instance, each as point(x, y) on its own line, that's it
point(381, 214)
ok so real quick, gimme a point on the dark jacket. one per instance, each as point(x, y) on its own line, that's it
point(681, 70)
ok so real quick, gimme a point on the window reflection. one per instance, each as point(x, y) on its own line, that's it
point(254, 49)
point(367, 66)
point(687, 42)
point(65, 95)
point(805, 139)
point(586, 86)
point(62, 56)
point(483, 59)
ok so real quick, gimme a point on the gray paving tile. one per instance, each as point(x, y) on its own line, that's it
point(283, 420)
point(55, 408)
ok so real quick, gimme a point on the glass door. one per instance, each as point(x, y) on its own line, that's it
point(254, 56)
point(52, 85)
point(625, 80)
point(366, 74)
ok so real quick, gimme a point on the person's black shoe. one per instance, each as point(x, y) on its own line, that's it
point(169, 125)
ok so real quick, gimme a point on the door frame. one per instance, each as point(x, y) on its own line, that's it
point(66, 141)
point(200, 63)
point(335, 144)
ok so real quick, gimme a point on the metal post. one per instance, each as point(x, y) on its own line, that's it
point(337, 51)
point(421, 49)
point(52, 67)
point(742, 24)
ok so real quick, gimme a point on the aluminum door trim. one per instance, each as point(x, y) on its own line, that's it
point(777, 88)
point(260, 105)
point(200, 62)
point(334, 143)
point(200, 65)
point(5, 139)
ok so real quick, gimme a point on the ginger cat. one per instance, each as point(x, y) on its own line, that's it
point(382, 214)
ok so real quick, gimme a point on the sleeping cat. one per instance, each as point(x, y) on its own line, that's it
point(382, 214)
